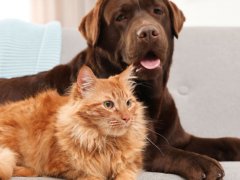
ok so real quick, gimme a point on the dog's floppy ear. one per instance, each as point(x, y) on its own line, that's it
point(178, 18)
point(90, 25)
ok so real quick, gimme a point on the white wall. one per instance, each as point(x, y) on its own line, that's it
point(206, 12)
point(197, 12)
point(210, 12)
point(17, 9)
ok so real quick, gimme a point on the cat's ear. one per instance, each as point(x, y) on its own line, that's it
point(85, 80)
point(127, 76)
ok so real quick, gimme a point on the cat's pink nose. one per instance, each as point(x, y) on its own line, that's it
point(125, 117)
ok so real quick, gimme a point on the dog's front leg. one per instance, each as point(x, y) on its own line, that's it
point(221, 149)
point(189, 165)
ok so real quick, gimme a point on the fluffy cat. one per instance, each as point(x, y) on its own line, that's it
point(97, 132)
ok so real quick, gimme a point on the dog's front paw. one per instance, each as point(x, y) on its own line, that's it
point(203, 167)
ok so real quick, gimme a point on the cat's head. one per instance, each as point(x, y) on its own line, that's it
point(108, 104)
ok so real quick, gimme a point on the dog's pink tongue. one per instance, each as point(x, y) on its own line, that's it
point(151, 64)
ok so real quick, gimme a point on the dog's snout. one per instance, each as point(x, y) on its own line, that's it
point(147, 32)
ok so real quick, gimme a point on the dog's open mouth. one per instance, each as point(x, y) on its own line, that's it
point(150, 61)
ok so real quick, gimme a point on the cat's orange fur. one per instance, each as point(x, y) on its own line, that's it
point(75, 136)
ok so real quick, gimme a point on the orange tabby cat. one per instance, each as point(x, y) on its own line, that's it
point(97, 132)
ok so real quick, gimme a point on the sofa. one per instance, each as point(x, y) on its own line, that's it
point(204, 81)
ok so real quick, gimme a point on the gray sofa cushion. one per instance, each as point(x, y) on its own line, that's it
point(231, 171)
point(204, 81)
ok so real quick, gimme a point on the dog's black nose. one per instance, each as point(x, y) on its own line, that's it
point(147, 32)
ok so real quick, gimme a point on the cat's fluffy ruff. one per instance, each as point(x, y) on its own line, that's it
point(65, 142)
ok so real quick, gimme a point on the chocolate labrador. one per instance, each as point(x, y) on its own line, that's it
point(139, 32)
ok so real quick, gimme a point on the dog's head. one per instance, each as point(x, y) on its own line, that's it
point(138, 32)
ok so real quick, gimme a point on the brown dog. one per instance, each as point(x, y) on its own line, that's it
point(141, 32)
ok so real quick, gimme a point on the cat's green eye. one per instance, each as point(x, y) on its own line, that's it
point(108, 104)
point(129, 103)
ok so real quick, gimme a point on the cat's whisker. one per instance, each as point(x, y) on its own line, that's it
point(114, 121)
point(151, 142)
point(155, 146)
point(117, 124)
point(163, 137)
point(159, 135)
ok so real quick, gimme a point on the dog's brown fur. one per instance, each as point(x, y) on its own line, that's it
point(111, 30)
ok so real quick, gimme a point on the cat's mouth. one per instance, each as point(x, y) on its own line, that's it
point(118, 128)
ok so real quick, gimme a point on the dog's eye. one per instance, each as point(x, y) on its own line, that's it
point(121, 17)
point(158, 11)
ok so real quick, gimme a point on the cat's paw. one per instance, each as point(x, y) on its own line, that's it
point(128, 176)
point(90, 178)
point(24, 172)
